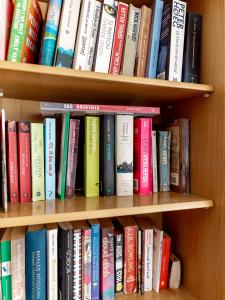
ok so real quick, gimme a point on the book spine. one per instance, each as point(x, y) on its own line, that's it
point(37, 162)
point(72, 157)
point(67, 33)
point(50, 144)
point(154, 163)
point(124, 155)
point(77, 265)
point(4, 163)
point(118, 263)
point(148, 259)
point(157, 258)
point(52, 264)
point(84, 35)
point(105, 37)
point(131, 41)
point(165, 262)
point(95, 261)
point(6, 281)
point(139, 263)
point(118, 43)
point(13, 179)
point(48, 46)
point(24, 151)
point(86, 287)
point(94, 33)
point(91, 157)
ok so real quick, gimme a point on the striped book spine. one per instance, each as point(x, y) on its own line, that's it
point(77, 265)
point(86, 258)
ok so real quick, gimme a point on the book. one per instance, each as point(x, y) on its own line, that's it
point(107, 156)
point(24, 159)
point(91, 156)
point(140, 274)
point(67, 33)
point(13, 180)
point(174, 272)
point(83, 35)
point(52, 261)
point(6, 14)
point(79, 184)
point(143, 156)
point(118, 244)
point(154, 163)
point(131, 41)
point(4, 163)
point(49, 38)
point(35, 262)
point(61, 188)
point(37, 162)
point(50, 149)
point(105, 36)
point(143, 41)
point(65, 261)
point(166, 243)
point(170, 57)
point(25, 31)
point(192, 48)
point(18, 262)
point(154, 39)
point(119, 36)
point(124, 155)
point(72, 157)
point(157, 258)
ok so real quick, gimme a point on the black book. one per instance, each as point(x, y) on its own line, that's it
point(192, 48)
point(65, 261)
point(107, 156)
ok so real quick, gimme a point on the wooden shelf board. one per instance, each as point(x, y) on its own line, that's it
point(79, 208)
point(35, 82)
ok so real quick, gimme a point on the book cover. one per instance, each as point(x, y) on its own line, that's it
point(24, 158)
point(143, 156)
point(107, 159)
point(50, 145)
point(118, 244)
point(72, 157)
point(119, 35)
point(154, 163)
point(174, 272)
point(65, 261)
point(166, 243)
point(37, 162)
point(91, 156)
point(67, 33)
point(4, 163)
point(13, 180)
point(154, 40)
point(131, 41)
point(124, 155)
point(157, 258)
point(35, 262)
point(192, 48)
point(105, 36)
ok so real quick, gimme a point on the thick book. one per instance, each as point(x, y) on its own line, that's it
point(65, 261)
point(6, 14)
point(35, 262)
point(192, 48)
point(91, 156)
point(52, 261)
point(119, 37)
point(154, 39)
point(37, 162)
point(105, 36)
point(107, 156)
point(4, 163)
point(24, 159)
point(165, 261)
point(131, 41)
point(174, 272)
point(67, 33)
point(18, 262)
point(143, 156)
point(170, 59)
point(72, 157)
point(13, 179)
point(157, 258)
point(124, 154)
point(118, 246)
point(154, 163)
point(50, 150)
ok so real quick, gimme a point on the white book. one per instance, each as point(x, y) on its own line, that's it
point(67, 33)
point(175, 272)
point(157, 257)
point(148, 259)
point(94, 33)
point(154, 163)
point(84, 34)
point(77, 262)
point(124, 154)
point(52, 261)
point(106, 36)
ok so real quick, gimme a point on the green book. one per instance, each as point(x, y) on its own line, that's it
point(63, 156)
point(37, 162)
point(91, 157)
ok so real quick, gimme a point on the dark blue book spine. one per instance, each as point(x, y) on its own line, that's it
point(95, 263)
point(35, 262)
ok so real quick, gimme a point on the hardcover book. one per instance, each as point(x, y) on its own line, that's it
point(4, 163)
point(174, 272)
point(119, 244)
point(6, 13)
point(157, 258)
point(154, 163)
point(166, 243)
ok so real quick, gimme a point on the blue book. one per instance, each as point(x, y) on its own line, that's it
point(35, 262)
point(154, 40)
point(50, 138)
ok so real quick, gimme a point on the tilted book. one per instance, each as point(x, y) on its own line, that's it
point(157, 258)
point(6, 14)
point(4, 163)
point(119, 270)
point(174, 272)
point(154, 163)
point(165, 261)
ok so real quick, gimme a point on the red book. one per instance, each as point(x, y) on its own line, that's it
point(118, 43)
point(143, 156)
point(165, 261)
point(12, 162)
point(24, 161)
